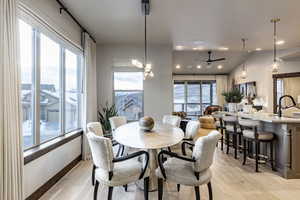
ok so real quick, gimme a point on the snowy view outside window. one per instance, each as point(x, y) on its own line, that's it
point(128, 94)
point(49, 81)
point(194, 97)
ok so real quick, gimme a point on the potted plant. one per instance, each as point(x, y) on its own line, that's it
point(233, 97)
point(104, 113)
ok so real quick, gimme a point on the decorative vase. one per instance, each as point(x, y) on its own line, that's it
point(146, 123)
point(232, 107)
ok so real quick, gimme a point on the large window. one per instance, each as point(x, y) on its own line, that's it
point(51, 85)
point(128, 94)
point(194, 96)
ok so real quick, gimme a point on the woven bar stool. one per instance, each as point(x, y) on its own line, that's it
point(219, 126)
point(251, 133)
point(232, 129)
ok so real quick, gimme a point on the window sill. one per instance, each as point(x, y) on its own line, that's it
point(38, 151)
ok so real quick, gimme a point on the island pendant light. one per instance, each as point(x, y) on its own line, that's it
point(146, 66)
point(244, 71)
point(275, 65)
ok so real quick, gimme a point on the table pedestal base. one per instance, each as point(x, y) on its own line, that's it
point(153, 164)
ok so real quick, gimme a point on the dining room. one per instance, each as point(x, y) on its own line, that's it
point(149, 99)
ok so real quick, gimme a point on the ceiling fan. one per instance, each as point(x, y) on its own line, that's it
point(210, 60)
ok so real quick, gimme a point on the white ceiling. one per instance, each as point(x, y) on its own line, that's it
point(214, 23)
point(188, 61)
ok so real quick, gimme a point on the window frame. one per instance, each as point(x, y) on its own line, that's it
point(127, 70)
point(185, 104)
point(37, 30)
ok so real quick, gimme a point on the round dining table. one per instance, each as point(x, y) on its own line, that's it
point(161, 136)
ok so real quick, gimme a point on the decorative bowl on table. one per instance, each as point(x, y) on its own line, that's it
point(146, 123)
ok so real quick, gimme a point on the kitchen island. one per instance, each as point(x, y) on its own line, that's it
point(287, 142)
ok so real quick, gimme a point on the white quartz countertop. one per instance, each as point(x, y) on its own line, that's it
point(265, 117)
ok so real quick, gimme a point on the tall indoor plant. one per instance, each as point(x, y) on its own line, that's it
point(233, 97)
point(104, 113)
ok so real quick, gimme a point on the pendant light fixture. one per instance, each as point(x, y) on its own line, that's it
point(244, 71)
point(275, 65)
point(146, 66)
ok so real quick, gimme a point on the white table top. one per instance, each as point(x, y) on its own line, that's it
point(161, 136)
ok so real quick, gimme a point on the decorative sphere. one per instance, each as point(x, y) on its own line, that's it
point(146, 123)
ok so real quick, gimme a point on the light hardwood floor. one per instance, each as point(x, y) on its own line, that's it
point(231, 181)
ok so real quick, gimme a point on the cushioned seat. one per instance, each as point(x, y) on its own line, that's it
point(182, 172)
point(207, 122)
point(231, 128)
point(124, 172)
point(261, 135)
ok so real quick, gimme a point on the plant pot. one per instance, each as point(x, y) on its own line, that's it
point(232, 107)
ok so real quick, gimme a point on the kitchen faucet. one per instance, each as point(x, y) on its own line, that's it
point(280, 102)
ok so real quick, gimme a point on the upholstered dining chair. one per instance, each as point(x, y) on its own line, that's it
point(95, 128)
point(191, 131)
point(116, 122)
point(118, 171)
point(194, 171)
point(172, 120)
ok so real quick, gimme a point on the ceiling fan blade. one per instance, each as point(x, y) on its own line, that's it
point(219, 59)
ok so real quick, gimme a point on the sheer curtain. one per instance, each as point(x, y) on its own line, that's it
point(90, 91)
point(11, 154)
point(222, 86)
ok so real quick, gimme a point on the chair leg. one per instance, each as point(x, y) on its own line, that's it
point(125, 187)
point(256, 156)
point(227, 141)
point(96, 190)
point(93, 175)
point(169, 149)
point(178, 187)
point(210, 191)
point(271, 155)
point(245, 151)
point(222, 140)
point(160, 188)
point(197, 192)
point(110, 191)
point(146, 187)
point(235, 145)
point(123, 149)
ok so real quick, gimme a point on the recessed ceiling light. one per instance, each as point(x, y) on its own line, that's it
point(223, 48)
point(178, 66)
point(179, 47)
point(199, 66)
point(220, 66)
point(197, 48)
point(280, 42)
point(258, 49)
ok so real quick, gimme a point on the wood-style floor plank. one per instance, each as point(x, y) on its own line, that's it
point(231, 181)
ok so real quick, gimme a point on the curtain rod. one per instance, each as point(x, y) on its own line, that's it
point(63, 7)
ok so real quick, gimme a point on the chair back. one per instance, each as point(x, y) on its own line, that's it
point(172, 120)
point(230, 120)
point(95, 127)
point(116, 122)
point(204, 151)
point(102, 151)
point(248, 123)
point(192, 128)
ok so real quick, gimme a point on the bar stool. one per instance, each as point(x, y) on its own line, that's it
point(232, 129)
point(251, 133)
point(219, 126)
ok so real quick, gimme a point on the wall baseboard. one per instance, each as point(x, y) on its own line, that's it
point(44, 188)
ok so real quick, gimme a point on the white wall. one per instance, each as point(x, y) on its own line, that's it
point(259, 69)
point(39, 171)
point(157, 91)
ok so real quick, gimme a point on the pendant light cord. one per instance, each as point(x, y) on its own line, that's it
point(145, 38)
point(275, 51)
point(244, 47)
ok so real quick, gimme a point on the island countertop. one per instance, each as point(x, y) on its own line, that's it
point(265, 117)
